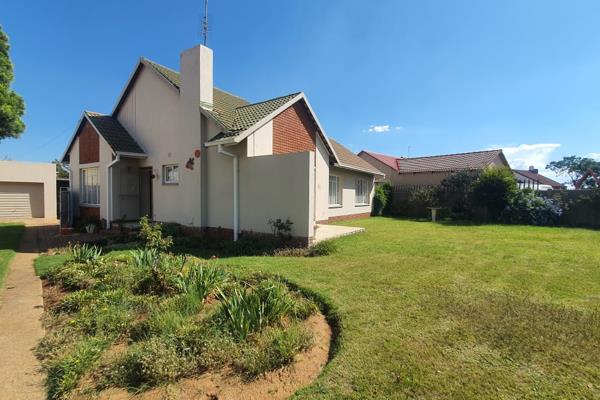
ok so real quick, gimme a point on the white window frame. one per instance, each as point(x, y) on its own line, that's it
point(362, 191)
point(339, 200)
point(89, 192)
point(172, 181)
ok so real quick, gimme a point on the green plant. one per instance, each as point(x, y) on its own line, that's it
point(382, 199)
point(84, 253)
point(455, 192)
point(324, 248)
point(64, 373)
point(274, 348)
point(493, 190)
point(281, 228)
point(152, 235)
point(527, 207)
point(201, 279)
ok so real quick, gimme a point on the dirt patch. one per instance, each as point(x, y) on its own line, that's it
point(278, 384)
point(52, 295)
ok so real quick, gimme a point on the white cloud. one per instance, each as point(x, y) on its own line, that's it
point(595, 156)
point(537, 155)
point(379, 128)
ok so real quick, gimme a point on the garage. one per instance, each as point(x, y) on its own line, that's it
point(27, 190)
point(21, 200)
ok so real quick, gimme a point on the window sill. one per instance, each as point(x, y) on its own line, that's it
point(335, 206)
point(362, 205)
point(89, 205)
point(170, 183)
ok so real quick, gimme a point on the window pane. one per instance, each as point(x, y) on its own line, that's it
point(334, 190)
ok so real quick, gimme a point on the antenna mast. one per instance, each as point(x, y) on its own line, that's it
point(205, 22)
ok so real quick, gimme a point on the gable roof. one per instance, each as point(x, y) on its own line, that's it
point(450, 162)
point(349, 160)
point(390, 161)
point(111, 130)
point(537, 177)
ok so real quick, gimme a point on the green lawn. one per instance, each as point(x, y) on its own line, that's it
point(447, 311)
point(435, 311)
point(10, 235)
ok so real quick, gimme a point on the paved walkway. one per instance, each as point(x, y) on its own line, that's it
point(326, 232)
point(21, 308)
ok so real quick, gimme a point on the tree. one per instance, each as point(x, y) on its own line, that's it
point(576, 167)
point(61, 171)
point(12, 106)
point(494, 189)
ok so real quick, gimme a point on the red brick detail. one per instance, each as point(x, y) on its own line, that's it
point(345, 217)
point(294, 131)
point(89, 144)
point(89, 213)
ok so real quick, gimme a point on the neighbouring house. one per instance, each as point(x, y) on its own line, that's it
point(27, 190)
point(531, 178)
point(180, 150)
point(431, 170)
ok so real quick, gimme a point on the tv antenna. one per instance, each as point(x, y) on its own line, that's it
point(205, 22)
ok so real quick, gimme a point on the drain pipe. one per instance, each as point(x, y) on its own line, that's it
point(236, 193)
point(109, 192)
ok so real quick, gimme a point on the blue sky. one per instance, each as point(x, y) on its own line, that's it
point(436, 76)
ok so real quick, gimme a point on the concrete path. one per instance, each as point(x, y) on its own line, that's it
point(326, 232)
point(21, 308)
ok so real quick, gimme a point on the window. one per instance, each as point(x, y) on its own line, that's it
point(335, 198)
point(171, 174)
point(361, 193)
point(90, 190)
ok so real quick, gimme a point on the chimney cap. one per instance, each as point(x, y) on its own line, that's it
point(533, 169)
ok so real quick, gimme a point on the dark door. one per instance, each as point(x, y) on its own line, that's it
point(146, 192)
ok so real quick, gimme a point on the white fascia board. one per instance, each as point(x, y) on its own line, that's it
point(323, 134)
point(131, 155)
point(72, 137)
point(352, 168)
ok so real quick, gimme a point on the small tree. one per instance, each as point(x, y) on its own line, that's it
point(493, 190)
point(456, 191)
point(382, 200)
point(152, 235)
point(61, 171)
point(12, 106)
point(575, 168)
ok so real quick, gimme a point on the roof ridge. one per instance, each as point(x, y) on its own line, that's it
point(451, 154)
point(94, 113)
point(380, 154)
point(266, 101)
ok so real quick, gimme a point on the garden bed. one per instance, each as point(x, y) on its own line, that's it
point(146, 323)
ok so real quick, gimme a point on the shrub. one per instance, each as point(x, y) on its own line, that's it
point(527, 207)
point(273, 349)
point(71, 275)
point(455, 192)
point(84, 253)
point(64, 373)
point(201, 279)
point(160, 277)
point(152, 235)
point(324, 248)
point(421, 198)
point(382, 199)
point(281, 228)
point(493, 190)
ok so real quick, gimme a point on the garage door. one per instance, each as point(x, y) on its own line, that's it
point(21, 200)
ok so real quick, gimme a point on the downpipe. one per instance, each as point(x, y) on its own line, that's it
point(236, 193)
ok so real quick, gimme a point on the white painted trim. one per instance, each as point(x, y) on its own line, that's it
point(73, 137)
point(236, 192)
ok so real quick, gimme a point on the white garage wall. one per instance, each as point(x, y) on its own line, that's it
point(40, 173)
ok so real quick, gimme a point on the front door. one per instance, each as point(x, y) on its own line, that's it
point(146, 192)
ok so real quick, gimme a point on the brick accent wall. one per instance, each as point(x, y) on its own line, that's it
point(345, 217)
point(89, 145)
point(294, 131)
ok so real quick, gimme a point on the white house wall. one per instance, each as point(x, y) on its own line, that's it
point(260, 143)
point(321, 181)
point(151, 114)
point(348, 183)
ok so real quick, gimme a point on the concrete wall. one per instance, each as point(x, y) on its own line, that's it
point(321, 181)
point(260, 143)
point(348, 183)
point(151, 113)
point(279, 186)
point(34, 173)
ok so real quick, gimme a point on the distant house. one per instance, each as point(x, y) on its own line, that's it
point(178, 149)
point(431, 170)
point(531, 178)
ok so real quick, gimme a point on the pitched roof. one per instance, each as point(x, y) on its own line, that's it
point(390, 161)
point(114, 133)
point(534, 176)
point(350, 160)
point(233, 113)
point(449, 162)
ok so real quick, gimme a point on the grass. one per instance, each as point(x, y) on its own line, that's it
point(10, 235)
point(449, 311)
point(43, 263)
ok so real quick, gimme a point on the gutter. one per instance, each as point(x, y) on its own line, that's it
point(236, 193)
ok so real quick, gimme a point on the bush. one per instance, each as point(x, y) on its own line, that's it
point(84, 253)
point(323, 248)
point(273, 349)
point(421, 198)
point(455, 193)
point(152, 235)
point(527, 207)
point(493, 191)
point(382, 199)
